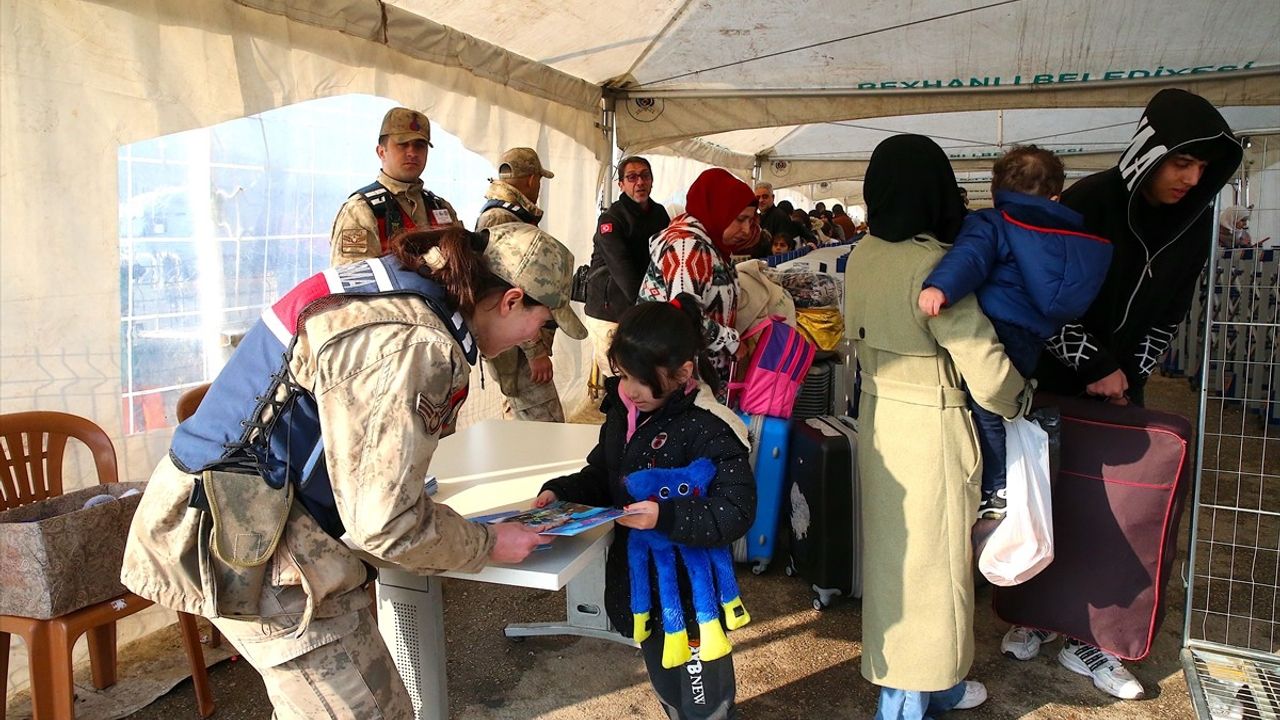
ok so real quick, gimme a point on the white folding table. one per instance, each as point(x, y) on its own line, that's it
point(489, 467)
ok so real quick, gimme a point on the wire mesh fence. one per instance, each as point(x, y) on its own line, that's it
point(1230, 351)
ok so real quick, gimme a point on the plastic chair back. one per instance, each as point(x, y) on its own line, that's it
point(190, 400)
point(32, 448)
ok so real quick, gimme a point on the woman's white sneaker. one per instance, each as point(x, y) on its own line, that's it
point(975, 693)
point(1108, 673)
point(1023, 643)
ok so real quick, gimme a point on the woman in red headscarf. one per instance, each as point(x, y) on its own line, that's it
point(692, 256)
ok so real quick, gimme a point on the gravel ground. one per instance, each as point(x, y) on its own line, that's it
point(792, 662)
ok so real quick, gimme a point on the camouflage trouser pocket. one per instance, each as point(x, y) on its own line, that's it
point(244, 524)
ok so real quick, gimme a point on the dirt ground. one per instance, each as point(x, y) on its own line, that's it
point(792, 662)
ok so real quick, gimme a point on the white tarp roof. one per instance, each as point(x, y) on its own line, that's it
point(807, 78)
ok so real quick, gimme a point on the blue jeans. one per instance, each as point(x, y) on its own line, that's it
point(1023, 348)
point(913, 704)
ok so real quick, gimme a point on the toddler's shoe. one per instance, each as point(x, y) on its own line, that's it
point(993, 506)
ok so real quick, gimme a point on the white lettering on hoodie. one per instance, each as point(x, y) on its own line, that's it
point(1134, 165)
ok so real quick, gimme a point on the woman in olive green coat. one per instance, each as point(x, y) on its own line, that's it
point(918, 457)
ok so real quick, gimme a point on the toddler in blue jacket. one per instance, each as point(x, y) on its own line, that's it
point(1033, 268)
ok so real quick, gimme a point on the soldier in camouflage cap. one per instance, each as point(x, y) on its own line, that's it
point(397, 200)
point(537, 263)
point(525, 374)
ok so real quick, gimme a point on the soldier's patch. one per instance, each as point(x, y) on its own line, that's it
point(606, 228)
point(438, 416)
point(352, 242)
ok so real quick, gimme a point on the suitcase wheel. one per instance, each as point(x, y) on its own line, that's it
point(790, 570)
point(760, 567)
point(818, 604)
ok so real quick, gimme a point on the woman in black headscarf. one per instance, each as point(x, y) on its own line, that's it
point(918, 458)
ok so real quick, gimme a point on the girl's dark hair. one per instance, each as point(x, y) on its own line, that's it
point(654, 335)
point(463, 272)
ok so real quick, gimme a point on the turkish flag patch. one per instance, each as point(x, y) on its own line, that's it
point(606, 228)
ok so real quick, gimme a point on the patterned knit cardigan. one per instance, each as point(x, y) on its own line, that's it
point(683, 259)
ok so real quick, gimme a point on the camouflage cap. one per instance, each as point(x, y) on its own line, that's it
point(403, 124)
point(521, 161)
point(537, 263)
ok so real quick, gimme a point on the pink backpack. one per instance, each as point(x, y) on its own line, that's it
point(777, 367)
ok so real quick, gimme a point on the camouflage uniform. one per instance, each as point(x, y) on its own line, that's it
point(356, 233)
point(377, 446)
point(355, 230)
point(388, 379)
point(526, 399)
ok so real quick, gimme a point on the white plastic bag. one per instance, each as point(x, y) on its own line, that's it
point(1022, 545)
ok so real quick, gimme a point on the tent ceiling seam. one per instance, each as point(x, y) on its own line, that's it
point(765, 153)
point(644, 54)
point(833, 41)
point(968, 141)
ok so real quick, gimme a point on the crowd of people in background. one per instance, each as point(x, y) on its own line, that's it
point(943, 306)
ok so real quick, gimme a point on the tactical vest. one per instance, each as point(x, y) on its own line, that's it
point(256, 419)
point(391, 219)
point(517, 210)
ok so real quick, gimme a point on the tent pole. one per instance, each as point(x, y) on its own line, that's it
point(1000, 129)
point(610, 129)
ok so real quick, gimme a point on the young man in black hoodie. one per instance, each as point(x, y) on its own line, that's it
point(1155, 207)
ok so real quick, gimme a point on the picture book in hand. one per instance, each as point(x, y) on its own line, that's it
point(559, 518)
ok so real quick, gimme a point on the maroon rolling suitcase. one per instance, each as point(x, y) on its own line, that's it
point(1117, 503)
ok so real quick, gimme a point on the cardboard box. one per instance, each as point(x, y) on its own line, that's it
point(57, 556)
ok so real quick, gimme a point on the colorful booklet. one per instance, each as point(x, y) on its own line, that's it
point(560, 518)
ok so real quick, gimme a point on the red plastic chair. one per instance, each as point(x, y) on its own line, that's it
point(32, 448)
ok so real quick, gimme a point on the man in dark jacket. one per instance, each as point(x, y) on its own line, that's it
point(1154, 207)
point(772, 217)
point(620, 253)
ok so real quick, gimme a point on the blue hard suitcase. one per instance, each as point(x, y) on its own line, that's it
point(824, 508)
point(769, 437)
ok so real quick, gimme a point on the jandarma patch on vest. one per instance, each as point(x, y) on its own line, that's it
point(352, 241)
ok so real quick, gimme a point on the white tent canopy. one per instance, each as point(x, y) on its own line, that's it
point(798, 76)
point(798, 93)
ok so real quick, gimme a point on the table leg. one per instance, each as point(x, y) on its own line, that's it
point(584, 610)
point(411, 621)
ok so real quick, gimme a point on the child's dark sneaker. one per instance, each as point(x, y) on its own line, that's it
point(993, 505)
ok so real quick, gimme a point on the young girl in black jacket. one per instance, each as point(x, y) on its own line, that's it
point(661, 413)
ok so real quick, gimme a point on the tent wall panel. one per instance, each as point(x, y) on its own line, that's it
point(81, 78)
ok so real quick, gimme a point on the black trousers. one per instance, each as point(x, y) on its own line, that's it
point(694, 691)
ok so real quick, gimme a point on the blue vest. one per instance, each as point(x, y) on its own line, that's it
point(256, 419)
